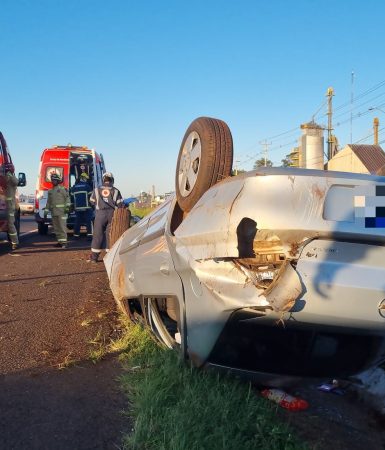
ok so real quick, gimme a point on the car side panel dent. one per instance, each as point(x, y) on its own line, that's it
point(288, 209)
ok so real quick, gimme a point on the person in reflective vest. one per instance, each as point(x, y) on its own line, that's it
point(10, 195)
point(80, 193)
point(106, 199)
point(58, 204)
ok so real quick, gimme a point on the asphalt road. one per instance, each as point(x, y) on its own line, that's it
point(55, 309)
point(27, 224)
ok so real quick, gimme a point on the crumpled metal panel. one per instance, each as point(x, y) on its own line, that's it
point(285, 208)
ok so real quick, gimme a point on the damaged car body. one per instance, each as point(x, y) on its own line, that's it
point(276, 273)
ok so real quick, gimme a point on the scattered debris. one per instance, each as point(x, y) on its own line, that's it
point(333, 387)
point(285, 400)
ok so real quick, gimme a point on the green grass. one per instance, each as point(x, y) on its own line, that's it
point(177, 407)
point(99, 347)
point(141, 212)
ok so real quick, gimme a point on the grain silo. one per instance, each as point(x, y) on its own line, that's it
point(312, 146)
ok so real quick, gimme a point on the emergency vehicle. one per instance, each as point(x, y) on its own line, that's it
point(6, 160)
point(68, 162)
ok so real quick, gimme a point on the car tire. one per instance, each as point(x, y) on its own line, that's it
point(42, 228)
point(120, 223)
point(205, 157)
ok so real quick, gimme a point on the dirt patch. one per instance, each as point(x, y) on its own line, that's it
point(54, 306)
point(335, 422)
point(73, 408)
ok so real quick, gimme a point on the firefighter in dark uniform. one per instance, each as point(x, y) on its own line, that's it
point(10, 195)
point(106, 199)
point(58, 204)
point(80, 193)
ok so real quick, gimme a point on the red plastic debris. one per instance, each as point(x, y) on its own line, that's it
point(285, 400)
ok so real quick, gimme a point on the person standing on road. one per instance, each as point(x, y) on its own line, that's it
point(58, 204)
point(81, 192)
point(106, 199)
point(10, 195)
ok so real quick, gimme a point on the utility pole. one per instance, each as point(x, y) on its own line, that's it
point(376, 124)
point(351, 108)
point(265, 145)
point(330, 94)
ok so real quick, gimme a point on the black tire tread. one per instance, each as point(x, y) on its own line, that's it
point(42, 228)
point(217, 158)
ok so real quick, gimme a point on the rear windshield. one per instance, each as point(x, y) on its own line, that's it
point(53, 170)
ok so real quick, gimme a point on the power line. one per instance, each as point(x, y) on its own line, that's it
point(370, 135)
point(353, 100)
point(271, 138)
point(363, 94)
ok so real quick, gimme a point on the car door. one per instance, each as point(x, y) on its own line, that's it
point(153, 260)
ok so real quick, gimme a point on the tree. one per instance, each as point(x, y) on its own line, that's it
point(291, 159)
point(261, 163)
point(286, 161)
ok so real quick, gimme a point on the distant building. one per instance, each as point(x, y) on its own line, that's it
point(311, 146)
point(358, 158)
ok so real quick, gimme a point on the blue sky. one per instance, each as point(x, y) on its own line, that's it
point(128, 77)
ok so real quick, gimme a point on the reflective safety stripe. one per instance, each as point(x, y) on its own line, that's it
point(89, 234)
point(76, 235)
point(59, 206)
point(9, 198)
point(12, 234)
point(64, 217)
point(80, 192)
point(96, 250)
point(11, 215)
point(62, 240)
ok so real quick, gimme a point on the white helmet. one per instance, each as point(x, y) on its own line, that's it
point(108, 175)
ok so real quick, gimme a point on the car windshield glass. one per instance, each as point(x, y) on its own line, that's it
point(51, 170)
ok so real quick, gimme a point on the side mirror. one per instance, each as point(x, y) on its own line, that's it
point(22, 179)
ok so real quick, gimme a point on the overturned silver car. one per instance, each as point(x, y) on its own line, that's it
point(278, 272)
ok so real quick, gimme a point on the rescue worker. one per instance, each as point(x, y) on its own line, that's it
point(80, 193)
point(10, 195)
point(106, 199)
point(58, 204)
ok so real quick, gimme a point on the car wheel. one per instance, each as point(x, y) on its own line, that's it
point(205, 157)
point(42, 228)
point(120, 223)
point(162, 325)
